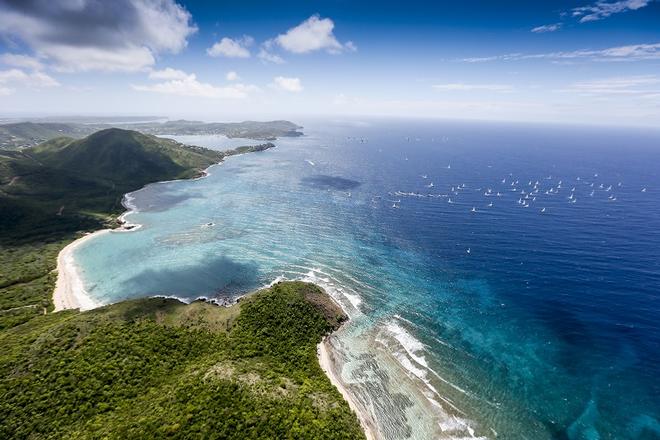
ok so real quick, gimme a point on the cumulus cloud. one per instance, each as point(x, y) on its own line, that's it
point(183, 84)
point(547, 28)
point(82, 35)
point(603, 9)
point(23, 61)
point(231, 48)
point(232, 76)
point(313, 34)
point(287, 84)
point(462, 87)
point(17, 77)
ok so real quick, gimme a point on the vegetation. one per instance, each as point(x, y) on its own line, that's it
point(157, 368)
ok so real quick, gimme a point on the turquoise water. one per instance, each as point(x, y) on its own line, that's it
point(468, 320)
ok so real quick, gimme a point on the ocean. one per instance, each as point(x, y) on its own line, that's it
point(503, 280)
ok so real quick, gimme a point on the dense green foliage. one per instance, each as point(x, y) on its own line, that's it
point(156, 368)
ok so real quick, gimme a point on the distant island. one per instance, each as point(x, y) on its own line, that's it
point(152, 367)
point(28, 134)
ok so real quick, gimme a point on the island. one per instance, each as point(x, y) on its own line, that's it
point(152, 367)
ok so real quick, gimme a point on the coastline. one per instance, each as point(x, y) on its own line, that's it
point(69, 290)
point(329, 367)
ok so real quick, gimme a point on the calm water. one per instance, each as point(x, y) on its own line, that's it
point(535, 317)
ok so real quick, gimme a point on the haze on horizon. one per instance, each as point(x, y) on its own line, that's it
point(579, 61)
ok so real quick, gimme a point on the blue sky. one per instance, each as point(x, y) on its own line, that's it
point(561, 61)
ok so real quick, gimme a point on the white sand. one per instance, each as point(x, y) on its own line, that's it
point(69, 290)
point(326, 360)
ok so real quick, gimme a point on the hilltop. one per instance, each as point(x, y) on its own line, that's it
point(66, 180)
point(124, 157)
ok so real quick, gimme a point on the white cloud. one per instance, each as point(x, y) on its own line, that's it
point(232, 76)
point(168, 73)
point(634, 52)
point(231, 48)
point(189, 85)
point(269, 57)
point(603, 9)
point(287, 84)
point(646, 85)
point(23, 61)
point(16, 77)
point(311, 35)
point(85, 59)
point(462, 87)
point(122, 35)
point(547, 28)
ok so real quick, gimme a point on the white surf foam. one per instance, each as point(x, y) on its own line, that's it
point(409, 352)
point(341, 294)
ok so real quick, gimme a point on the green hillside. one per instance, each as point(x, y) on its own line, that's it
point(63, 183)
point(157, 368)
point(124, 156)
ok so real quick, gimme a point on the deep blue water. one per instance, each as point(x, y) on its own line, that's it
point(536, 317)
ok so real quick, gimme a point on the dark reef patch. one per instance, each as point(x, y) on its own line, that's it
point(322, 181)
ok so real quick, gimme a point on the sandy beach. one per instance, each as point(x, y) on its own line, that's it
point(69, 290)
point(326, 360)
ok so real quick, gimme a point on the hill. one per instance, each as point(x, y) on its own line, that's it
point(124, 157)
point(156, 368)
point(64, 179)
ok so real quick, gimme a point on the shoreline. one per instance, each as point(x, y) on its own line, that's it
point(69, 291)
point(326, 360)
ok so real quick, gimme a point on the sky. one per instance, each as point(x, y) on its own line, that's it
point(580, 61)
